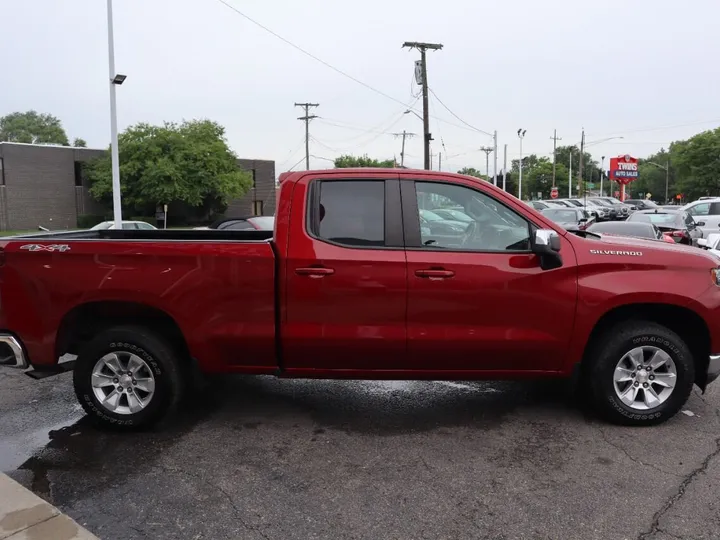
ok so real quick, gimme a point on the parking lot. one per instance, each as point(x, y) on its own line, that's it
point(277, 459)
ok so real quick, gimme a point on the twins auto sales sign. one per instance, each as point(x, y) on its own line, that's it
point(623, 169)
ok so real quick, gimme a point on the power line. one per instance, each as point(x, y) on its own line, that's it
point(340, 71)
point(456, 116)
point(660, 128)
point(298, 163)
point(311, 55)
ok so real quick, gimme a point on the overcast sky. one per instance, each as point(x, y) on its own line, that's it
point(646, 70)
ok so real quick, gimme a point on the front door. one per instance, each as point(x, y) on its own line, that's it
point(346, 276)
point(480, 301)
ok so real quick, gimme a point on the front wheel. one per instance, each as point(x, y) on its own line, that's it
point(127, 378)
point(642, 374)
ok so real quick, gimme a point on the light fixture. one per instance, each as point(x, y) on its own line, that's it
point(119, 79)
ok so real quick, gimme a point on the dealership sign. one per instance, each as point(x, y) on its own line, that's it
point(623, 169)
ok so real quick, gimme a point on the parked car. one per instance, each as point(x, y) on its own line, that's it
point(706, 210)
point(602, 212)
point(127, 225)
point(678, 224)
point(559, 202)
point(711, 244)
point(570, 218)
point(542, 205)
point(451, 214)
point(348, 285)
point(642, 204)
point(617, 211)
point(632, 229)
point(620, 204)
point(257, 223)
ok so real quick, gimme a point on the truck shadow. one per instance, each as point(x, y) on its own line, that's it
point(81, 459)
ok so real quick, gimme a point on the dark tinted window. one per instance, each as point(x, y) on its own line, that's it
point(643, 230)
point(352, 212)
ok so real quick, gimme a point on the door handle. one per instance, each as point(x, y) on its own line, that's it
point(314, 272)
point(435, 273)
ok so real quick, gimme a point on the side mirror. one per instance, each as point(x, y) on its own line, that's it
point(712, 241)
point(546, 244)
point(583, 220)
point(702, 242)
point(700, 224)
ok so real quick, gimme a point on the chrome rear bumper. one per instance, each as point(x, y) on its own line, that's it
point(16, 358)
point(713, 368)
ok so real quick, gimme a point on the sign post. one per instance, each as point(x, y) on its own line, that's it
point(623, 170)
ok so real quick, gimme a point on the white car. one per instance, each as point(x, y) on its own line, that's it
point(127, 225)
point(707, 211)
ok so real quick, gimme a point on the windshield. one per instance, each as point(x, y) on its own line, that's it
point(601, 202)
point(613, 200)
point(427, 215)
point(101, 226)
point(574, 203)
point(456, 215)
point(263, 223)
point(560, 216)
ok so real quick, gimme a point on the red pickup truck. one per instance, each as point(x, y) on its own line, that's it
point(369, 274)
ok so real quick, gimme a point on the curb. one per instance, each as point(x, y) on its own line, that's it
point(25, 516)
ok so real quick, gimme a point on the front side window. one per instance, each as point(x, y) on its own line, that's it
point(352, 212)
point(473, 221)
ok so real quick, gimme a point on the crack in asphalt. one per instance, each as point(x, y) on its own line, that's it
point(655, 525)
point(221, 490)
point(631, 457)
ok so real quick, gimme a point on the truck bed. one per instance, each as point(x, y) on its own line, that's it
point(217, 288)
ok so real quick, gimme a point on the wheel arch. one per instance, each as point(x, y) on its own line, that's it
point(84, 321)
point(685, 322)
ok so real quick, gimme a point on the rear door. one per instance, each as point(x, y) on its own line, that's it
point(346, 275)
point(487, 304)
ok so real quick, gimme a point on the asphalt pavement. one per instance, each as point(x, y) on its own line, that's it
point(261, 458)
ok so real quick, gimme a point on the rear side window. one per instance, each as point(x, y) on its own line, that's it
point(352, 212)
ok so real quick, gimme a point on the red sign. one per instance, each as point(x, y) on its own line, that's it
point(623, 169)
point(617, 194)
point(554, 192)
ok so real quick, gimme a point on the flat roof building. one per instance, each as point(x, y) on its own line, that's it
point(45, 185)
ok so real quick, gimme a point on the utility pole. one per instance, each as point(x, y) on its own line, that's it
point(505, 168)
point(555, 139)
point(114, 151)
point(404, 135)
point(521, 134)
point(487, 150)
point(439, 161)
point(570, 178)
point(580, 169)
point(423, 47)
point(307, 118)
point(602, 174)
point(495, 158)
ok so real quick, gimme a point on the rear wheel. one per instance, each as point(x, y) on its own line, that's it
point(641, 374)
point(127, 377)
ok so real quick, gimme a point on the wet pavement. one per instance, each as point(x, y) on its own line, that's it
point(260, 458)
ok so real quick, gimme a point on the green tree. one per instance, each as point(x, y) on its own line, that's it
point(33, 128)
point(472, 171)
point(79, 143)
point(188, 163)
point(652, 177)
point(696, 162)
point(349, 161)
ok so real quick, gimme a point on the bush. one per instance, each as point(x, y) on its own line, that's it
point(151, 220)
point(85, 221)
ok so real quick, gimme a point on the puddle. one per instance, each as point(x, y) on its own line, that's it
point(15, 450)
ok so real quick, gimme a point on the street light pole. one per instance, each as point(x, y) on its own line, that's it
point(115, 155)
point(520, 134)
point(602, 174)
point(666, 168)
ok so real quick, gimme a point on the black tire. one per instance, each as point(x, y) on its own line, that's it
point(610, 348)
point(158, 355)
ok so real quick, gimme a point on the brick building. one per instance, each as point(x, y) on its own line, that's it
point(44, 185)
